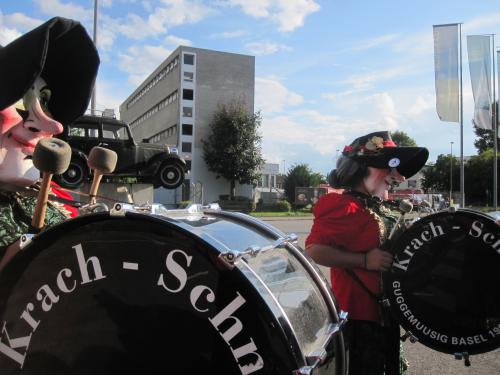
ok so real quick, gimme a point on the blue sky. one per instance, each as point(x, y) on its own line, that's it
point(326, 71)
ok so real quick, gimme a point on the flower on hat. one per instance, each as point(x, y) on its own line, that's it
point(374, 144)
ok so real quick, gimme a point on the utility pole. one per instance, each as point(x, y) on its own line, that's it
point(92, 100)
point(451, 173)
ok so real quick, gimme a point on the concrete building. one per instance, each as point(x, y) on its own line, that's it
point(269, 189)
point(175, 105)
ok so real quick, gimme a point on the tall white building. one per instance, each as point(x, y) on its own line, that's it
point(175, 105)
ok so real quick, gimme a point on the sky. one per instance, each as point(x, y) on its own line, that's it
point(326, 71)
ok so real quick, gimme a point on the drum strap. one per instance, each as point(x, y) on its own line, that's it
point(384, 311)
point(356, 278)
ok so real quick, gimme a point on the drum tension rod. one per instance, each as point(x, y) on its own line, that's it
point(463, 355)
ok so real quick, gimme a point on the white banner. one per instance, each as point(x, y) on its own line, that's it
point(446, 70)
point(479, 52)
point(498, 85)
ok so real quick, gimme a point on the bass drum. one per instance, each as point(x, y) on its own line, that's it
point(125, 292)
point(444, 284)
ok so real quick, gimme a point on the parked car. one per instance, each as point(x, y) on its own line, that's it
point(148, 162)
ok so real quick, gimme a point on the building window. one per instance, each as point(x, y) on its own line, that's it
point(186, 146)
point(187, 129)
point(187, 111)
point(412, 183)
point(187, 94)
point(188, 59)
point(188, 76)
point(159, 106)
point(153, 81)
point(188, 164)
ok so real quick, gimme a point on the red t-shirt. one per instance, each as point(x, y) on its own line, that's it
point(341, 221)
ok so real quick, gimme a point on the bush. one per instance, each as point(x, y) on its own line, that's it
point(184, 204)
point(278, 206)
point(239, 203)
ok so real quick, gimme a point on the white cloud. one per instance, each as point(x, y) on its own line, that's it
point(320, 133)
point(140, 61)
point(68, 10)
point(12, 26)
point(266, 48)
point(367, 80)
point(272, 96)
point(422, 104)
point(374, 42)
point(8, 35)
point(171, 13)
point(20, 21)
point(288, 14)
point(108, 95)
point(481, 23)
point(176, 41)
point(229, 34)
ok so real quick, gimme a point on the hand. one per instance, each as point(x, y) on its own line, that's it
point(378, 260)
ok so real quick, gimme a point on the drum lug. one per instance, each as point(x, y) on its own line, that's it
point(228, 259)
point(409, 335)
point(25, 240)
point(318, 356)
point(463, 355)
point(120, 209)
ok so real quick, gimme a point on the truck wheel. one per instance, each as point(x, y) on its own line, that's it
point(170, 175)
point(75, 175)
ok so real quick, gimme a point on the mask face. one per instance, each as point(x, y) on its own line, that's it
point(379, 181)
point(21, 127)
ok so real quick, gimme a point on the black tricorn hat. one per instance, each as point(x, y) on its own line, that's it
point(62, 53)
point(378, 150)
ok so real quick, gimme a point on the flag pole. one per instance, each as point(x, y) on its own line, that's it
point(462, 179)
point(494, 127)
point(93, 97)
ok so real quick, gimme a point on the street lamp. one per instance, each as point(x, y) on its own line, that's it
point(451, 171)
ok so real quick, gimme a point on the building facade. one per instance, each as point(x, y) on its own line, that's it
point(175, 104)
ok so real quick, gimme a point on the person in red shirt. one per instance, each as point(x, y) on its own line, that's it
point(348, 235)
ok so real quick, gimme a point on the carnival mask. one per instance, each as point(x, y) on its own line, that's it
point(21, 127)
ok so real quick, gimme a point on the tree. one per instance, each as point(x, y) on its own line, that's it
point(233, 148)
point(300, 175)
point(437, 176)
point(484, 140)
point(402, 139)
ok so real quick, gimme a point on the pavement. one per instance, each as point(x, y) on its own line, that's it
point(422, 360)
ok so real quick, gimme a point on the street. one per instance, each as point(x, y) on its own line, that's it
point(422, 359)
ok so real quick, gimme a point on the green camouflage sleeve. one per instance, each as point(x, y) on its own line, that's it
point(15, 218)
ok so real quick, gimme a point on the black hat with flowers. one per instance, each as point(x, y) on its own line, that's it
point(378, 150)
point(61, 52)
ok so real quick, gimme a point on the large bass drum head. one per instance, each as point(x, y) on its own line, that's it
point(444, 284)
point(132, 295)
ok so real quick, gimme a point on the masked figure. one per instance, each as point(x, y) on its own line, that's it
point(349, 235)
point(46, 76)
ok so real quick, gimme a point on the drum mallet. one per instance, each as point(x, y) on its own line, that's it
point(51, 156)
point(405, 207)
point(102, 161)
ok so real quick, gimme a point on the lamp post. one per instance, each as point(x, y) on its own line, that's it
point(284, 170)
point(451, 171)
